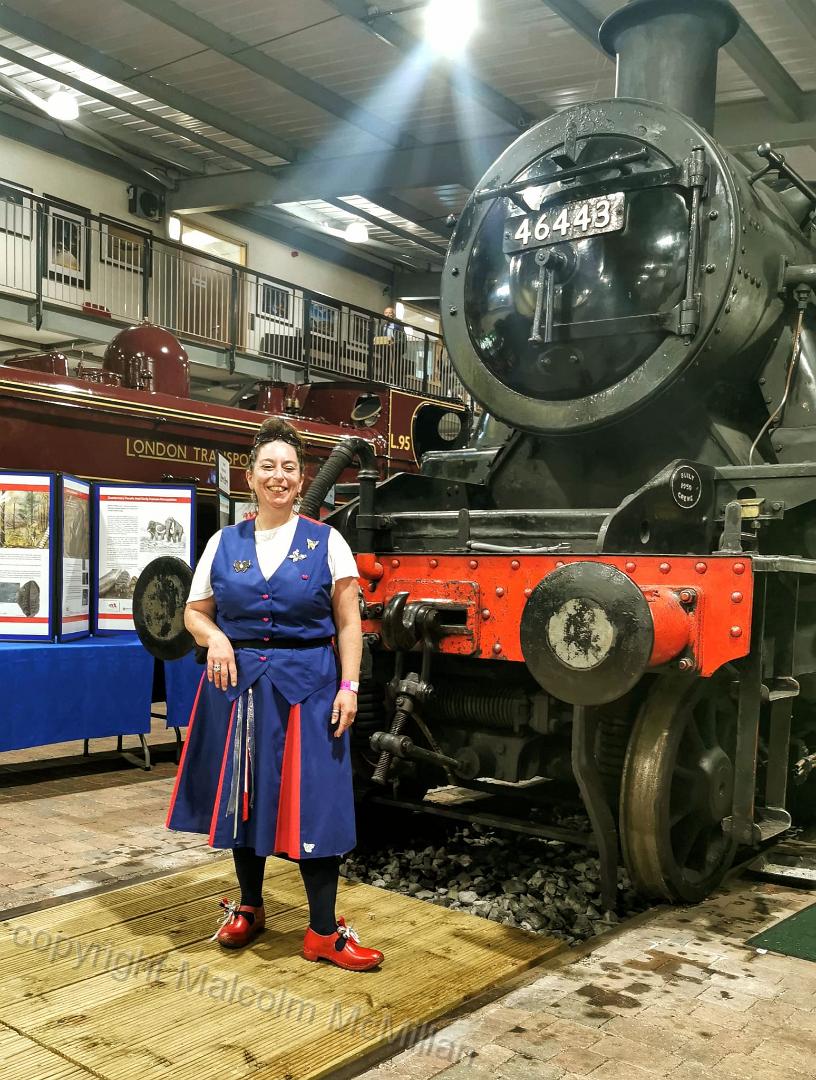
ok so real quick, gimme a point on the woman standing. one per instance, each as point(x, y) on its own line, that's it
point(266, 766)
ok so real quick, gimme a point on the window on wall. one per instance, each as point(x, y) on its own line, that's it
point(206, 241)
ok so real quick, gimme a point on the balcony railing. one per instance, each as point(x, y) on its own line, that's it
point(57, 257)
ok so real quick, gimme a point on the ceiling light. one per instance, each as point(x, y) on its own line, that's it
point(356, 233)
point(62, 106)
point(449, 25)
point(399, 309)
point(174, 228)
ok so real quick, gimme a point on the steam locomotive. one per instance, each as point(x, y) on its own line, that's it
point(613, 584)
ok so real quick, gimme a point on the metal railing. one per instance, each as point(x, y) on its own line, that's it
point(58, 257)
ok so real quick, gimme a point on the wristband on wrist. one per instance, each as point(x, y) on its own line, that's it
point(350, 684)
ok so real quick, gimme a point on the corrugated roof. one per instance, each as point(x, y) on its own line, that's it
point(523, 50)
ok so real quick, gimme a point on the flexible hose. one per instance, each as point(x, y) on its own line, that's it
point(349, 448)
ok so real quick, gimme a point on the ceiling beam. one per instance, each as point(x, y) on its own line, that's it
point(407, 211)
point(805, 12)
point(387, 226)
point(579, 17)
point(240, 52)
point(746, 124)
point(421, 286)
point(738, 125)
point(43, 134)
point(35, 105)
point(126, 106)
point(460, 78)
point(746, 49)
point(314, 222)
point(55, 41)
point(765, 71)
point(126, 135)
point(303, 239)
point(441, 163)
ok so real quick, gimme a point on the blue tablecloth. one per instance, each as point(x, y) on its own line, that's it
point(85, 689)
point(181, 679)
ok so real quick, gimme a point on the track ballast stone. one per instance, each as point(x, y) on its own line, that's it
point(544, 886)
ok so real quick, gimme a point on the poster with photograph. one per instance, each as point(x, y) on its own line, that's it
point(67, 256)
point(135, 525)
point(242, 510)
point(74, 618)
point(26, 579)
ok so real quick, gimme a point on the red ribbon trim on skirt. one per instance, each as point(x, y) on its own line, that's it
point(184, 751)
point(287, 833)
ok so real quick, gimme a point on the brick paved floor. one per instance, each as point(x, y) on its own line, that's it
point(69, 823)
point(675, 995)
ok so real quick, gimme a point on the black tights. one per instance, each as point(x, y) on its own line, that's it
point(319, 879)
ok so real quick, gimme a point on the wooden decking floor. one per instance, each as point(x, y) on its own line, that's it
point(126, 985)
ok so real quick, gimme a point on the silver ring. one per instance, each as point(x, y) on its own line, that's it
point(216, 667)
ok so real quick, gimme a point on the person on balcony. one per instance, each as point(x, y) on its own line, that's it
point(389, 328)
point(266, 767)
point(390, 344)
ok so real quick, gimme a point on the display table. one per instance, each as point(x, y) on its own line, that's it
point(181, 682)
point(92, 688)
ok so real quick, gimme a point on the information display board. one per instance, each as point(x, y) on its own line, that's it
point(26, 556)
point(134, 525)
point(223, 477)
point(74, 566)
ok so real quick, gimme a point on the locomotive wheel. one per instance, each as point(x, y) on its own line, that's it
point(677, 787)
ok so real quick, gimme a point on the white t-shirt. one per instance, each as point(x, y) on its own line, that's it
point(272, 547)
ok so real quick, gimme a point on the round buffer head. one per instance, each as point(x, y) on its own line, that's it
point(587, 633)
point(158, 607)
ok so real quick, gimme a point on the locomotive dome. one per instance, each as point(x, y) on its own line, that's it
point(616, 248)
point(148, 357)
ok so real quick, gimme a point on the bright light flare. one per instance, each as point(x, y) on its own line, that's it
point(356, 233)
point(62, 106)
point(449, 25)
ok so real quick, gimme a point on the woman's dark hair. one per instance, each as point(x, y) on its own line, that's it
point(276, 430)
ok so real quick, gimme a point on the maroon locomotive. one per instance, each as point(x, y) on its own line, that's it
point(135, 420)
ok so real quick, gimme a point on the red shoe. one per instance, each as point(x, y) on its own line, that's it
point(236, 931)
point(342, 948)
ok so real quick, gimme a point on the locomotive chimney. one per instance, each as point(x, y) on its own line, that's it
point(667, 52)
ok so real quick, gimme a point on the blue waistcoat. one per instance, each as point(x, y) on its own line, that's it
point(295, 602)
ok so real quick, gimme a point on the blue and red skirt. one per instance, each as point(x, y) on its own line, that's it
point(258, 771)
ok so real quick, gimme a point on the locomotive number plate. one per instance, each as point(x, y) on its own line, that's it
point(573, 221)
